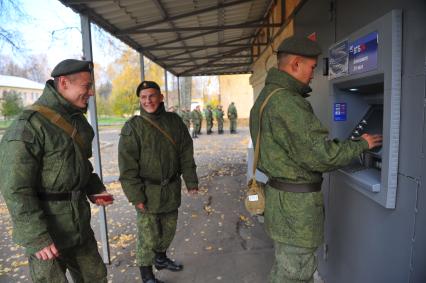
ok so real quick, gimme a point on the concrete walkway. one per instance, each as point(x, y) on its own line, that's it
point(216, 240)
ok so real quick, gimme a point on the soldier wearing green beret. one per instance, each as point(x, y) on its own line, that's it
point(46, 177)
point(154, 150)
point(294, 151)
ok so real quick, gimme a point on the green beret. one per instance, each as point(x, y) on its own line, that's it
point(71, 66)
point(302, 46)
point(147, 84)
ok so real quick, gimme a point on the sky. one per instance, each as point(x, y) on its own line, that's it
point(48, 27)
point(51, 28)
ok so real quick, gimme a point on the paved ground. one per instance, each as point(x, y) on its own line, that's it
point(216, 239)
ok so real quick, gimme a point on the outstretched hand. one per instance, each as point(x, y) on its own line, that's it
point(373, 140)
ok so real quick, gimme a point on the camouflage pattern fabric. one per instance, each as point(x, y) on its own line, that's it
point(293, 264)
point(196, 121)
point(200, 117)
point(232, 116)
point(84, 263)
point(294, 218)
point(155, 234)
point(38, 157)
point(209, 120)
point(145, 153)
point(295, 148)
point(219, 119)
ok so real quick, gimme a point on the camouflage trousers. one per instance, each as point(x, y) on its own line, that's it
point(84, 263)
point(209, 126)
point(155, 234)
point(233, 125)
point(293, 264)
point(220, 126)
point(196, 129)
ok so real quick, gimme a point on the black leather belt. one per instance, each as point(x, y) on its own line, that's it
point(294, 188)
point(164, 182)
point(73, 195)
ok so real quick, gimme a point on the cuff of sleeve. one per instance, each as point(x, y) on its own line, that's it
point(95, 185)
point(43, 241)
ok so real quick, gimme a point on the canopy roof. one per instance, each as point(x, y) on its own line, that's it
point(186, 37)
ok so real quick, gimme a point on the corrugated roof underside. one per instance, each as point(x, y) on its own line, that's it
point(191, 45)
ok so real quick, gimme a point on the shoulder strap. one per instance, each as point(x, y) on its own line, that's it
point(160, 129)
point(257, 147)
point(56, 119)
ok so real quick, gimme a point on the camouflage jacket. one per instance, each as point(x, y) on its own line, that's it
point(196, 117)
point(219, 115)
point(295, 147)
point(186, 117)
point(232, 112)
point(208, 115)
point(146, 157)
point(38, 157)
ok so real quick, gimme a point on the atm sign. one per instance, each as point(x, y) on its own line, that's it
point(339, 111)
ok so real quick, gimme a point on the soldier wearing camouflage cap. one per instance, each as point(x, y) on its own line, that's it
point(46, 178)
point(154, 150)
point(294, 151)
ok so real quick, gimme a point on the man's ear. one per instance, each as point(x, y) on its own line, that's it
point(294, 63)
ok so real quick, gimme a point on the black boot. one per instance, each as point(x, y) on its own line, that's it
point(147, 275)
point(163, 262)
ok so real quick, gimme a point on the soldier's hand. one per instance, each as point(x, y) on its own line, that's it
point(193, 191)
point(373, 140)
point(141, 207)
point(102, 198)
point(49, 252)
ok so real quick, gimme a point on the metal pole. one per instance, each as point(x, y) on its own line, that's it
point(142, 65)
point(178, 89)
point(93, 120)
point(166, 88)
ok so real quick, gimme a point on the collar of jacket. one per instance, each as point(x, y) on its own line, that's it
point(284, 80)
point(54, 100)
point(160, 110)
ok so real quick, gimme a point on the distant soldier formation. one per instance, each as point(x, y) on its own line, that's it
point(209, 114)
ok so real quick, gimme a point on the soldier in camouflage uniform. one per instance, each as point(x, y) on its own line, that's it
point(186, 117)
point(232, 116)
point(154, 150)
point(46, 177)
point(219, 119)
point(294, 151)
point(196, 122)
point(209, 119)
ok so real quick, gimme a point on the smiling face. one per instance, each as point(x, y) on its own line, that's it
point(150, 99)
point(76, 88)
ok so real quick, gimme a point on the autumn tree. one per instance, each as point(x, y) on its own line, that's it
point(125, 72)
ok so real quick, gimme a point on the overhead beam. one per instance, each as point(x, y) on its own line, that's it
point(246, 25)
point(182, 38)
point(217, 73)
point(213, 60)
point(248, 45)
point(185, 15)
point(218, 65)
point(208, 57)
point(198, 49)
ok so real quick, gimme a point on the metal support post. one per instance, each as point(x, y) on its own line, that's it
point(166, 88)
point(93, 120)
point(142, 66)
point(178, 89)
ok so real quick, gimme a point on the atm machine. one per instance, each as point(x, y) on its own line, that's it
point(365, 87)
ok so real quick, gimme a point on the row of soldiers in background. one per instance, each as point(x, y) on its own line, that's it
point(196, 117)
